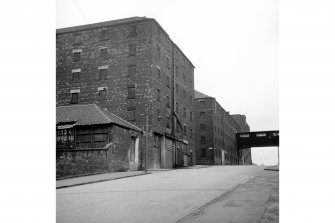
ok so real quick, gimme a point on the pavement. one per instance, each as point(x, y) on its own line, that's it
point(227, 194)
point(77, 181)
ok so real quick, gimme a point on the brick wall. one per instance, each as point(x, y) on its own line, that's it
point(205, 106)
point(120, 55)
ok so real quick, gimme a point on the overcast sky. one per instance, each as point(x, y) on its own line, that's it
point(233, 45)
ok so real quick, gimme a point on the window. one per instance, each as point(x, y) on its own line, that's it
point(78, 38)
point(157, 140)
point(177, 88)
point(131, 113)
point(104, 34)
point(76, 75)
point(168, 101)
point(167, 62)
point(191, 133)
point(202, 127)
point(74, 98)
point(202, 114)
point(176, 70)
point(178, 128)
point(158, 73)
point(191, 116)
point(102, 74)
point(168, 82)
point(203, 152)
point(184, 77)
point(65, 137)
point(203, 139)
point(184, 114)
point(184, 130)
point(177, 107)
point(132, 70)
point(168, 121)
point(103, 94)
point(131, 91)
point(103, 52)
point(133, 30)
point(159, 116)
point(158, 95)
point(184, 93)
point(132, 50)
point(158, 52)
point(77, 56)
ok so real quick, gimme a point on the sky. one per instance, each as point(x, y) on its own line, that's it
point(233, 45)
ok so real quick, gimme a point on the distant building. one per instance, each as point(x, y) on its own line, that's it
point(92, 140)
point(132, 68)
point(244, 154)
point(214, 132)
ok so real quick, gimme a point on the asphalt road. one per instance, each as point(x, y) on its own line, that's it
point(215, 194)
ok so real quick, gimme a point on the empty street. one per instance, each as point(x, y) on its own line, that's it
point(211, 194)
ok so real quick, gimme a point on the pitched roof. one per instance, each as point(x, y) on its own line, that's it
point(90, 114)
point(198, 94)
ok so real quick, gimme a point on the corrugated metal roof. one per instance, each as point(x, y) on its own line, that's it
point(90, 114)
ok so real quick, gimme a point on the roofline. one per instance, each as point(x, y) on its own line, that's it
point(204, 98)
point(109, 23)
point(99, 24)
point(100, 110)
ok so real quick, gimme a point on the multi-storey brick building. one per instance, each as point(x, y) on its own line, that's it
point(214, 132)
point(133, 69)
point(244, 154)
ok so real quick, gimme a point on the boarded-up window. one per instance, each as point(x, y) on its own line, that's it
point(168, 101)
point(103, 52)
point(74, 98)
point(131, 70)
point(168, 82)
point(131, 113)
point(132, 50)
point(77, 56)
point(131, 91)
point(133, 30)
point(104, 34)
point(158, 73)
point(158, 95)
point(75, 76)
point(77, 38)
point(158, 52)
point(102, 74)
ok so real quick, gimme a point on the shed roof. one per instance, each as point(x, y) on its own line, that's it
point(90, 114)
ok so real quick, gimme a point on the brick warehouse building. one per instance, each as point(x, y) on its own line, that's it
point(244, 154)
point(133, 69)
point(214, 132)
